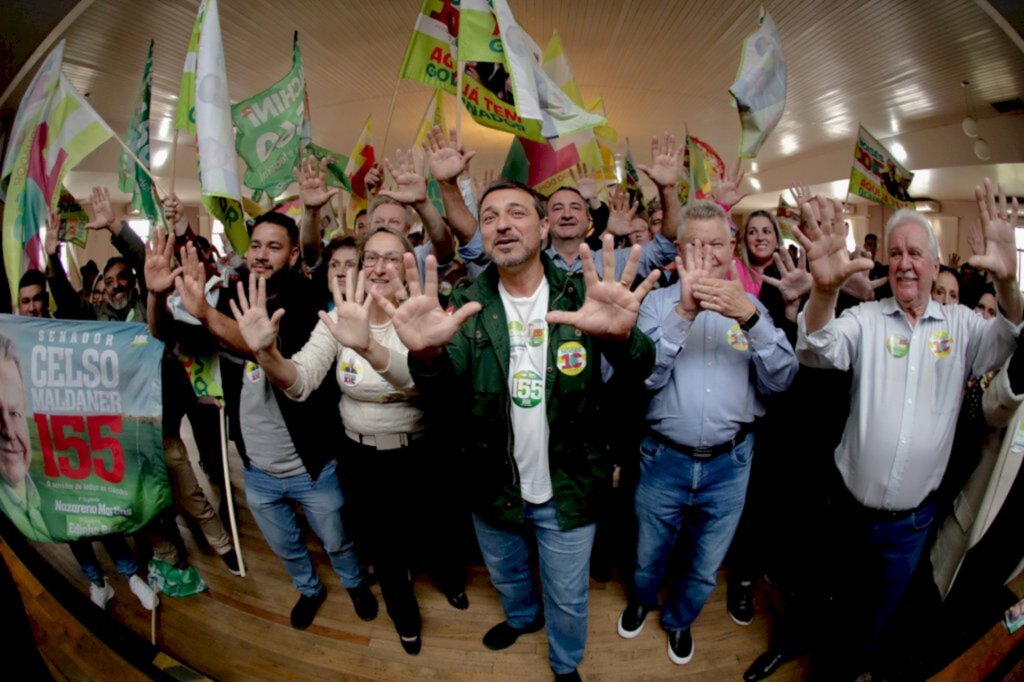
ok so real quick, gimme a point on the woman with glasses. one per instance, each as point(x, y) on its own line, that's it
point(394, 467)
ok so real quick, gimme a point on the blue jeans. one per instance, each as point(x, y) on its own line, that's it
point(271, 502)
point(117, 548)
point(701, 498)
point(884, 553)
point(564, 575)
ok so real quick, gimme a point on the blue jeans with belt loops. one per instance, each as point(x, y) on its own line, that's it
point(702, 499)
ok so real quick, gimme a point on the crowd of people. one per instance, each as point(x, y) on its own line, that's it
point(700, 395)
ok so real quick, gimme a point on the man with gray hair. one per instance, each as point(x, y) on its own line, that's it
point(910, 357)
point(717, 354)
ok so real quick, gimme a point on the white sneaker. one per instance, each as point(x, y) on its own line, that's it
point(101, 595)
point(144, 592)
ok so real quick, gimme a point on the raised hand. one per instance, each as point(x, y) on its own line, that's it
point(695, 265)
point(159, 255)
point(998, 223)
point(190, 283)
point(795, 281)
point(824, 240)
point(584, 180)
point(447, 160)
point(420, 322)
point(953, 260)
point(860, 287)
point(174, 214)
point(374, 180)
point(312, 179)
point(258, 329)
point(727, 190)
point(610, 309)
point(411, 184)
point(352, 326)
point(51, 242)
point(976, 240)
point(665, 161)
point(724, 296)
point(480, 186)
point(102, 211)
point(801, 194)
point(620, 212)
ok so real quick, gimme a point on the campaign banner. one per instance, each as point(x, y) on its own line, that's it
point(877, 175)
point(81, 449)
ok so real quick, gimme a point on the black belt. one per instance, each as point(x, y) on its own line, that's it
point(704, 451)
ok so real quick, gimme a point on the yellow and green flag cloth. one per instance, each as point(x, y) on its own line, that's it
point(432, 117)
point(131, 177)
point(359, 163)
point(877, 175)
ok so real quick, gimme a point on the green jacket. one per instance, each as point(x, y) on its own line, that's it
point(471, 378)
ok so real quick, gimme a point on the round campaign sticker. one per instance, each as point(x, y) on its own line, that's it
point(527, 388)
point(350, 372)
point(516, 334)
point(941, 344)
point(253, 372)
point(536, 332)
point(897, 345)
point(571, 358)
point(737, 338)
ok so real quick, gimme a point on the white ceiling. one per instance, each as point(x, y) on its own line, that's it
point(893, 65)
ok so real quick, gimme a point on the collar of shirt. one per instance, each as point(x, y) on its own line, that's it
point(561, 262)
point(891, 307)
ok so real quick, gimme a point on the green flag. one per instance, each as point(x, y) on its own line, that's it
point(336, 164)
point(131, 177)
point(269, 129)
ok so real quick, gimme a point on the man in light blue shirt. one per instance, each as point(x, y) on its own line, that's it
point(717, 352)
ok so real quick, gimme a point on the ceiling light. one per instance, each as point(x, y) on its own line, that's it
point(969, 126)
point(927, 206)
point(159, 158)
point(756, 184)
point(982, 150)
point(753, 166)
point(899, 152)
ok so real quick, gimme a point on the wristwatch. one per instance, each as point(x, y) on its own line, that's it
point(748, 324)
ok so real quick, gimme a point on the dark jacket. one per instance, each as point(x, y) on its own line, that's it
point(471, 379)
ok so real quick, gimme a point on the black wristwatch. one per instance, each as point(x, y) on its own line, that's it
point(748, 324)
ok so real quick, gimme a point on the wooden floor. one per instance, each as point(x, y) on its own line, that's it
point(240, 630)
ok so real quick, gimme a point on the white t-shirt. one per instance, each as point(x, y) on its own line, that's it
point(528, 351)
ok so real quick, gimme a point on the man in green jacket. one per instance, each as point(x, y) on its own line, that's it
point(522, 380)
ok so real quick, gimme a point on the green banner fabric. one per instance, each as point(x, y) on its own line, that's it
point(130, 176)
point(269, 127)
point(84, 455)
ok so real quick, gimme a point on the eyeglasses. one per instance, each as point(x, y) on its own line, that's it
point(370, 258)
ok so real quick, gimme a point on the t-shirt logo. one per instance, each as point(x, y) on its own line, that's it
point(941, 344)
point(737, 338)
point(571, 358)
point(897, 345)
point(527, 388)
point(516, 335)
point(350, 372)
point(253, 372)
point(536, 332)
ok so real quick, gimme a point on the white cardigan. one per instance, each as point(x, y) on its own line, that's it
point(982, 497)
point(371, 403)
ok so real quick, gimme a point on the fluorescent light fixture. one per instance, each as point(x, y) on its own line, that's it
point(159, 158)
point(753, 166)
point(756, 184)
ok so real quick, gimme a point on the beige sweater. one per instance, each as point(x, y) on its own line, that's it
point(371, 403)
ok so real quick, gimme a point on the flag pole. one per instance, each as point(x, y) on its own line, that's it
point(227, 487)
point(174, 159)
point(391, 111)
point(156, 185)
point(458, 101)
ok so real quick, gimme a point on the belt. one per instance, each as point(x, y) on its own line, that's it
point(704, 451)
point(856, 508)
point(385, 441)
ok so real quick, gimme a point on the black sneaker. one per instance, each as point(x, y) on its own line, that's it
point(230, 560)
point(631, 621)
point(503, 635)
point(305, 609)
point(411, 646)
point(680, 646)
point(740, 602)
point(459, 601)
point(364, 602)
point(571, 676)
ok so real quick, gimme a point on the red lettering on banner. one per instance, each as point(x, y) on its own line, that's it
point(86, 453)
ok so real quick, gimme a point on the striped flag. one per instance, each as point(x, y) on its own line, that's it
point(65, 130)
point(130, 177)
point(359, 164)
point(209, 117)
